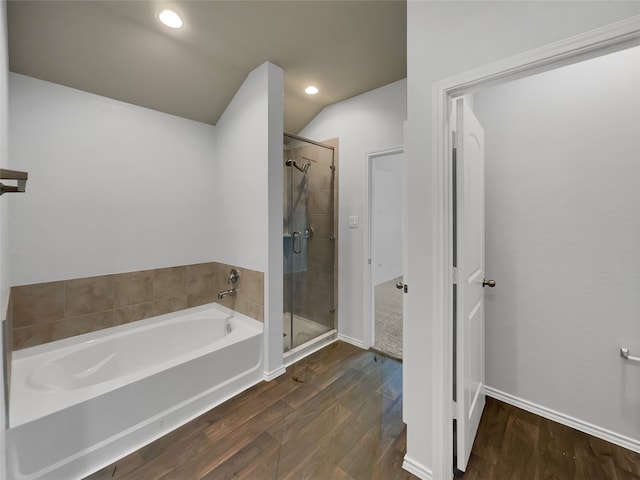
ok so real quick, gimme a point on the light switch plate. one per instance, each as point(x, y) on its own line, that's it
point(354, 221)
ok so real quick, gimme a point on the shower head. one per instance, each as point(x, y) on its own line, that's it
point(292, 163)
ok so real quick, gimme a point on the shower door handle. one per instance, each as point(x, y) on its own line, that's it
point(297, 235)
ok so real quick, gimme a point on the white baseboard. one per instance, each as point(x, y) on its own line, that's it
point(596, 431)
point(351, 340)
point(268, 376)
point(417, 468)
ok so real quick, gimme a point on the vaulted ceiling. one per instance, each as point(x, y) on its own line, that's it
point(120, 50)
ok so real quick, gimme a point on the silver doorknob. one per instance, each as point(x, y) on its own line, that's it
point(488, 283)
point(399, 285)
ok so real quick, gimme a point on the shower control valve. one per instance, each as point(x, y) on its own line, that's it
point(234, 277)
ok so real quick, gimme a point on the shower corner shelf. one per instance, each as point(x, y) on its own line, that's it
point(21, 177)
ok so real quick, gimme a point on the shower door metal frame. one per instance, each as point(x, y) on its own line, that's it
point(300, 234)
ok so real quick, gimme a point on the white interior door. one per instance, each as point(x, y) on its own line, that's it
point(470, 398)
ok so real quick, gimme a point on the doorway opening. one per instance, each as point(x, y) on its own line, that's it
point(385, 283)
point(576, 49)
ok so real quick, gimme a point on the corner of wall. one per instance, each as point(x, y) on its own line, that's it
point(273, 354)
point(4, 69)
point(241, 173)
point(249, 169)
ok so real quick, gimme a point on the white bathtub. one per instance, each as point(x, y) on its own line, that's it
point(78, 404)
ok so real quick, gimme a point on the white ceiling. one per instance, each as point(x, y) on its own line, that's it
point(119, 49)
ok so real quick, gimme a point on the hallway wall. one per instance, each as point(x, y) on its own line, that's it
point(444, 39)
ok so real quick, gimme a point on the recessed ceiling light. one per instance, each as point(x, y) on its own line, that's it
point(311, 90)
point(170, 18)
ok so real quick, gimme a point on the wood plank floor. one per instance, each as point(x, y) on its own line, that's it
point(515, 444)
point(337, 415)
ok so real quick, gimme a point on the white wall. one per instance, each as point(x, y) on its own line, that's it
point(562, 237)
point(4, 257)
point(112, 187)
point(248, 192)
point(387, 201)
point(241, 171)
point(443, 39)
point(364, 124)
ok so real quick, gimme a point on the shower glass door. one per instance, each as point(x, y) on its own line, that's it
point(308, 241)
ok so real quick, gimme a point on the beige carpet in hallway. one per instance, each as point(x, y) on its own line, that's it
point(388, 330)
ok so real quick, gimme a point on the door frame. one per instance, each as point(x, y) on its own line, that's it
point(607, 39)
point(368, 330)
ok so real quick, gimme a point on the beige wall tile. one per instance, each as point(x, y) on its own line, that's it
point(322, 224)
point(133, 288)
point(200, 277)
point(55, 310)
point(202, 298)
point(88, 295)
point(221, 276)
point(229, 301)
point(251, 309)
point(336, 288)
point(38, 303)
point(70, 327)
point(250, 297)
point(170, 282)
point(320, 280)
point(132, 313)
point(320, 251)
point(33, 335)
point(8, 344)
point(321, 201)
point(321, 176)
point(251, 286)
point(173, 304)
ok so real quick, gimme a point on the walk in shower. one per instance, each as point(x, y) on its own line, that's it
point(309, 242)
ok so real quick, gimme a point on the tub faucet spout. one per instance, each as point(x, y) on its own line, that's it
point(230, 292)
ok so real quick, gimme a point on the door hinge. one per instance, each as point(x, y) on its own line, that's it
point(368, 261)
point(454, 410)
point(456, 139)
point(454, 275)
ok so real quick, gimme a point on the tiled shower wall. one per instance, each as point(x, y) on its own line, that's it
point(50, 311)
point(313, 293)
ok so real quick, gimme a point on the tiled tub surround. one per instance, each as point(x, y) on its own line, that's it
point(50, 311)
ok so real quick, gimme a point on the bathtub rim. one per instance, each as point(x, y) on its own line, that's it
point(68, 398)
point(76, 340)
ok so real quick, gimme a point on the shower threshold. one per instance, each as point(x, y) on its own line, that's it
point(309, 337)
